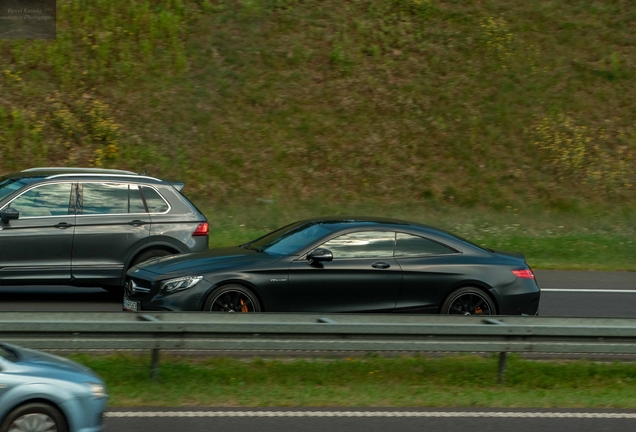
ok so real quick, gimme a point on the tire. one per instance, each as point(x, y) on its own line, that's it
point(145, 256)
point(468, 301)
point(232, 298)
point(35, 417)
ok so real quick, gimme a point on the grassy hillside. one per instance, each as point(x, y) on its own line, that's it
point(494, 119)
point(466, 102)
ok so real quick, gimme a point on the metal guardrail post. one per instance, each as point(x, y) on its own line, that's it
point(501, 374)
point(154, 360)
point(154, 364)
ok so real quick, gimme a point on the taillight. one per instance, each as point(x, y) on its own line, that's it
point(202, 230)
point(523, 273)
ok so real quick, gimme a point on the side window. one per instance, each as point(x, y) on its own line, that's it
point(411, 245)
point(364, 244)
point(111, 198)
point(45, 200)
point(154, 201)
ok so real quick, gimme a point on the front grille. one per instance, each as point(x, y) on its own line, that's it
point(137, 287)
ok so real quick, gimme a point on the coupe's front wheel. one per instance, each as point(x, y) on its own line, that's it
point(233, 299)
point(468, 301)
point(35, 417)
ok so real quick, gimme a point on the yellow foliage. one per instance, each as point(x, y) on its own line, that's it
point(584, 153)
point(88, 122)
point(13, 76)
point(497, 37)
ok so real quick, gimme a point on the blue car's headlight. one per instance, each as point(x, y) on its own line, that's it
point(97, 390)
point(179, 284)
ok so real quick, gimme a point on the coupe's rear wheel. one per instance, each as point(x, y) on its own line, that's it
point(468, 301)
point(233, 299)
point(35, 417)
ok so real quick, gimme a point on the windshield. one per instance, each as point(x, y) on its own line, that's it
point(7, 353)
point(9, 185)
point(290, 238)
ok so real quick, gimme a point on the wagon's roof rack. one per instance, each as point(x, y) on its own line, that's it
point(79, 170)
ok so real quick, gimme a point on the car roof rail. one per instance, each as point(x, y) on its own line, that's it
point(133, 175)
point(80, 170)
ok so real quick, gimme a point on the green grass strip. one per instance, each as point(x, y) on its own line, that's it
point(369, 381)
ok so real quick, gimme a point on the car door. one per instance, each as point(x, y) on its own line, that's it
point(430, 270)
point(37, 246)
point(363, 276)
point(111, 223)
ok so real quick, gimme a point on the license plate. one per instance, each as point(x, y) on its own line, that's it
point(130, 305)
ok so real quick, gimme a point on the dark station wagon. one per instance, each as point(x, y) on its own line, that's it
point(88, 226)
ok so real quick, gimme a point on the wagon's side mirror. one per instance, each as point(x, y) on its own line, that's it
point(319, 255)
point(8, 214)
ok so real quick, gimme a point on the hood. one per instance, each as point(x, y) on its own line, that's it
point(37, 363)
point(204, 262)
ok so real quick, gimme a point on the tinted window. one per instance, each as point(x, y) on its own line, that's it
point(290, 241)
point(45, 200)
point(411, 245)
point(364, 244)
point(8, 185)
point(111, 198)
point(154, 201)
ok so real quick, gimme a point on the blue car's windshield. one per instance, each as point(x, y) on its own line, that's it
point(9, 185)
point(290, 238)
point(7, 353)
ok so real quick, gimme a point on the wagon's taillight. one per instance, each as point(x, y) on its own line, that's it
point(523, 273)
point(202, 230)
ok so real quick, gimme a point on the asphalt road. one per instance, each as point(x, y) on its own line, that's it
point(571, 293)
point(564, 293)
point(371, 420)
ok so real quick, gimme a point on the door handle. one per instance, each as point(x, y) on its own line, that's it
point(381, 265)
point(63, 225)
point(136, 222)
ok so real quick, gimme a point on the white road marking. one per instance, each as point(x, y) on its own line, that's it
point(430, 414)
point(588, 290)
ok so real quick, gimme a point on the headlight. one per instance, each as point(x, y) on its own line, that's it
point(98, 390)
point(179, 284)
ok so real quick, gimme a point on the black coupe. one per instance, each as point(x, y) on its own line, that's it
point(340, 264)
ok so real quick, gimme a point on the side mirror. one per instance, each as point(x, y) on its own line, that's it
point(8, 214)
point(320, 254)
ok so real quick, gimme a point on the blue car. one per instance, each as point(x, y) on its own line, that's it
point(41, 392)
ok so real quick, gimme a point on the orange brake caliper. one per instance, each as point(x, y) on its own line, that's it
point(243, 306)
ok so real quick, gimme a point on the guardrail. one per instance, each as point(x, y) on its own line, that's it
point(323, 332)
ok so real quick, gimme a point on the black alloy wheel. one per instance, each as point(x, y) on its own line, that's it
point(232, 299)
point(468, 301)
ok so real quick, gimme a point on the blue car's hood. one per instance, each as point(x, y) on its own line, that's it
point(204, 262)
point(37, 363)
